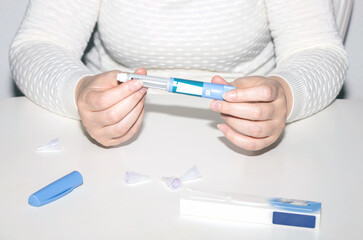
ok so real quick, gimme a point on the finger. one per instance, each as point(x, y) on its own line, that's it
point(115, 113)
point(100, 100)
point(251, 111)
point(256, 129)
point(245, 142)
point(262, 93)
point(219, 80)
point(116, 141)
point(122, 127)
point(133, 130)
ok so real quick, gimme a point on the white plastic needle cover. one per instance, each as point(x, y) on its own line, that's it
point(191, 174)
point(172, 182)
point(133, 177)
point(175, 183)
point(52, 145)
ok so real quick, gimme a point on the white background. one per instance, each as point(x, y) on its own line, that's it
point(12, 12)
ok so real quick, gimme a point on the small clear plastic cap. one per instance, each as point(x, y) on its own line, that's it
point(133, 178)
point(52, 145)
point(172, 182)
point(122, 77)
point(191, 174)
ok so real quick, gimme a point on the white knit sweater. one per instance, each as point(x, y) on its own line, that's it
point(196, 39)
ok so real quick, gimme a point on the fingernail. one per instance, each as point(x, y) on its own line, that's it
point(230, 95)
point(135, 85)
point(222, 128)
point(143, 90)
point(216, 106)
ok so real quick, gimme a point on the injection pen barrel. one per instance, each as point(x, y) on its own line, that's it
point(148, 81)
point(199, 89)
point(151, 81)
point(178, 85)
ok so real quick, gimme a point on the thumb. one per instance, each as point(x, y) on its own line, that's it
point(141, 71)
point(219, 80)
point(248, 81)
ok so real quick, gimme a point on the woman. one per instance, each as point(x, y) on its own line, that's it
point(285, 58)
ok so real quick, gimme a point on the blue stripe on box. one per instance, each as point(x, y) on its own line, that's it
point(290, 219)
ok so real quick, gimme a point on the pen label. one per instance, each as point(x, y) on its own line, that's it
point(188, 87)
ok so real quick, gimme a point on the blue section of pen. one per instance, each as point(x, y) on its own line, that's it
point(215, 91)
point(199, 89)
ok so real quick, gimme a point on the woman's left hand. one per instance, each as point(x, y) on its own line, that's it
point(255, 112)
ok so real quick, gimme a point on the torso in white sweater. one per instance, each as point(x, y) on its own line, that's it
point(295, 39)
point(218, 36)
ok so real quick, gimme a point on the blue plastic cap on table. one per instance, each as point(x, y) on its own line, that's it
point(56, 190)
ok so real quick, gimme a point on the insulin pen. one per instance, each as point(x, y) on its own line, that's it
point(177, 85)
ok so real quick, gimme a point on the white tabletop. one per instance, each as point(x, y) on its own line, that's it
point(317, 159)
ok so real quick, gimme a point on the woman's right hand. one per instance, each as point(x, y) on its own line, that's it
point(111, 112)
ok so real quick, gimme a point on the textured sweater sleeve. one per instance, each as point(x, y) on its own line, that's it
point(309, 52)
point(46, 51)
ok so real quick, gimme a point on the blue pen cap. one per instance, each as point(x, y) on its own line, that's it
point(56, 190)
